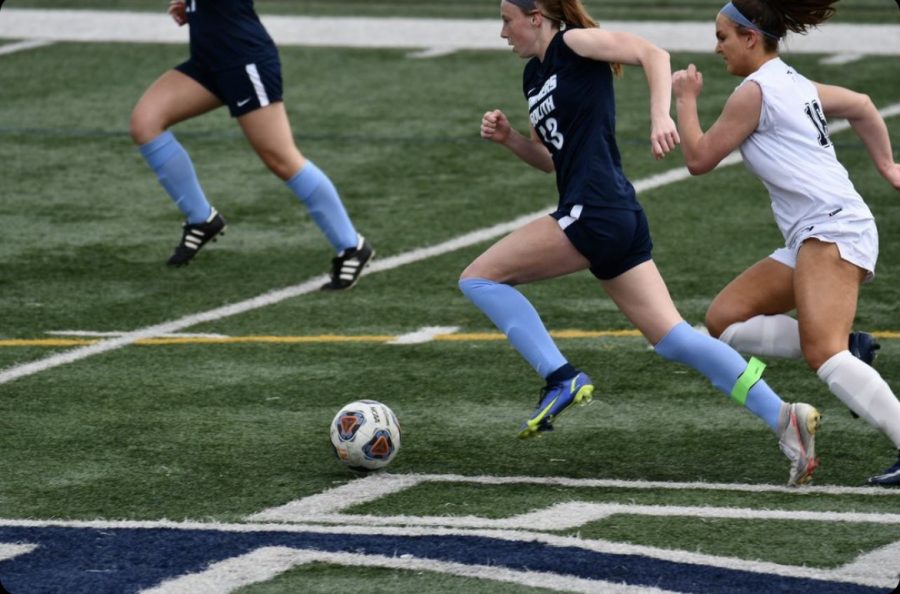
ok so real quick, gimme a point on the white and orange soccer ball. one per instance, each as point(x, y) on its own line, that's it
point(365, 435)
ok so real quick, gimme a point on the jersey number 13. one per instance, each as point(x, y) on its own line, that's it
point(549, 130)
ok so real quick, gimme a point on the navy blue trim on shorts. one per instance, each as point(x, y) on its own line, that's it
point(613, 240)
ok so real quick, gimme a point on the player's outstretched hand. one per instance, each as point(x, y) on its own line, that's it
point(495, 126)
point(177, 11)
point(687, 82)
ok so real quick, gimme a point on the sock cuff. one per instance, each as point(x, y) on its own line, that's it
point(670, 344)
point(728, 333)
point(160, 149)
point(469, 284)
point(829, 366)
point(305, 181)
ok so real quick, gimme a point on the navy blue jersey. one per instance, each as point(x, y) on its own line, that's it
point(227, 33)
point(572, 106)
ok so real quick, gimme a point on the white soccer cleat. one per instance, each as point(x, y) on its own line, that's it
point(798, 442)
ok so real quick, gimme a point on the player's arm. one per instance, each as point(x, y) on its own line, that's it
point(739, 118)
point(177, 10)
point(620, 47)
point(868, 124)
point(495, 127)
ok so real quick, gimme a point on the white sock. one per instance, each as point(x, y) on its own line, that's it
point(773, 336)
point(863, 390)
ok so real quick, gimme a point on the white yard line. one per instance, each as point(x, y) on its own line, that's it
point(577, 514)
point(12, 48)
point(434, 35)
point(373, 487)
point(92, 334)
point(423, 335)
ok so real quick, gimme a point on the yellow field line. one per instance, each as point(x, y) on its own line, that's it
point(333, 338)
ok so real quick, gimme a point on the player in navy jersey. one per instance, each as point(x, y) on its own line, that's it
point(599, 224)
point(234, 62)
point(777, 117)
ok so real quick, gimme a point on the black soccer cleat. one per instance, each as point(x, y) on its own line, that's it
point(195, 237)
point(864, 347)
point(348, 265)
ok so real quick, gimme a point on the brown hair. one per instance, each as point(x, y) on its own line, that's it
point(780, 16)
point(570, 13)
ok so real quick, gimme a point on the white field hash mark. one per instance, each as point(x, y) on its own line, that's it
point(278, 295)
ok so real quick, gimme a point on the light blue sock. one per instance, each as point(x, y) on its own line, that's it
point(175, 172)
point(514, 315)
point(721, 365)
point(319, 195)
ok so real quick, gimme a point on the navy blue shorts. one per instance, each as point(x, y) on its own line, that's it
point(243, 88)
point(613, 240)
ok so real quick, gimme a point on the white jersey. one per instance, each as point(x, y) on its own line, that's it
point(791, 153)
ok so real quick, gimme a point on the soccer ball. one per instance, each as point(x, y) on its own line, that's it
point(365, 435)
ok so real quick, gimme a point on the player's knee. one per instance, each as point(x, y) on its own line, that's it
point(143, 127)
point(283, 161)
point(816, 353)
point(716, 323)
point(469, 273)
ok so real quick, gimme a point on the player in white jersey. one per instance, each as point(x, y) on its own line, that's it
point(778, 120)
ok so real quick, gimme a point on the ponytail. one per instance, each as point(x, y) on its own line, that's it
point(780, 16)
point(570, 13)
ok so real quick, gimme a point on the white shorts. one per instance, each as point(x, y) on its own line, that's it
point(857, 242)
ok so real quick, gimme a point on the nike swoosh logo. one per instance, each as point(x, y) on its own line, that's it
point(244, 102)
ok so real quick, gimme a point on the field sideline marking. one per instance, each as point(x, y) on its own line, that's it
point(278, 295)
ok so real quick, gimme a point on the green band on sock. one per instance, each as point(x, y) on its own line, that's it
point(747, 380)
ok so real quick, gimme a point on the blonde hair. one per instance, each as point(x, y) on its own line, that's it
point(569, 13)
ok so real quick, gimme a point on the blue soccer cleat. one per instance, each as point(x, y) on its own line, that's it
point(554, 399)
point(888, 478)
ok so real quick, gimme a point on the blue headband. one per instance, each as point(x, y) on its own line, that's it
point(731, 11)
point(524, 4)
